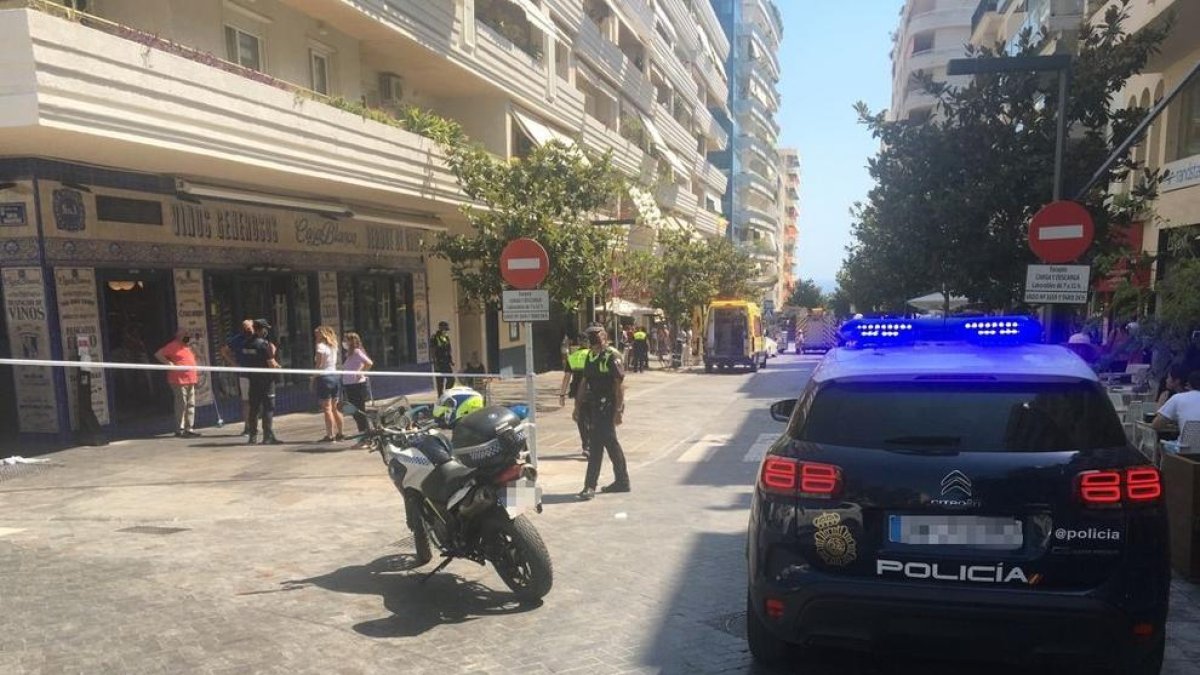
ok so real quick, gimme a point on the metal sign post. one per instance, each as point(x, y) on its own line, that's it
point(524, 265)
point(531, 392)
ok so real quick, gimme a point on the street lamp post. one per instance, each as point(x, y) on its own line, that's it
point(1059, 63)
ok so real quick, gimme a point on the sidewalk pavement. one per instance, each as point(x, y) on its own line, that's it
point(222, 455)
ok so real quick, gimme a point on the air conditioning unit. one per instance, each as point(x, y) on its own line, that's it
point(391, 89)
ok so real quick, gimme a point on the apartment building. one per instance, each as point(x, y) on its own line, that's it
point(789, 201)
point(194, 162)
point(930, 33)
point(998, 24)
point(751, 206)
point(1173, 140)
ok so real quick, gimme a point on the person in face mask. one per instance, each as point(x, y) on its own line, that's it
point(601, 398)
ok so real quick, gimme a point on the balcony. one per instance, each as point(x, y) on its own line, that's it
point(757, 219)
point(711, 26)
point(714, 81)
point(752, 146)
point(679, 76)
point(608, 59)
point(711, 129)
point(750, 32)
point(115, 96)
point(708, 223)
point(714, 177)
point(680, 139)
point(678, 198)
point(986, 11)
point(753, 109)
point(627, 157)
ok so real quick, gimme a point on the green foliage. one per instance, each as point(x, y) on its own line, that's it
point(684, 273)
point(444, 131)
point(954, 195)
point(548, 196)
point(807, 294)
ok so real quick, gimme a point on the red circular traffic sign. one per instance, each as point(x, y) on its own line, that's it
point(1061, 231)
point(524, 263)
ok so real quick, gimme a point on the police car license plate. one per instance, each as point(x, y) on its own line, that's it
point(976, 531)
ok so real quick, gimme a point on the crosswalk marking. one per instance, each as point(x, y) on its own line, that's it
point(704, 448)
point(708, 446)
point(759, 449)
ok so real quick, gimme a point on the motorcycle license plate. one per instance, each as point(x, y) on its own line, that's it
point(522, 494)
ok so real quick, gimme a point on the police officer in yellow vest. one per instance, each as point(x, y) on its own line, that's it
point(601, 400)
point(641, 350)
point(573, 366)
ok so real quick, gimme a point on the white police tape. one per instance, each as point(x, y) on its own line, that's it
point(239, 370)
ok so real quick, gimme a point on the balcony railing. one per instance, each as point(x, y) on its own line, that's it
point(985, 6)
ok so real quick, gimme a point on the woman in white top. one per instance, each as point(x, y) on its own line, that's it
point(355, 384)
point(326, 386)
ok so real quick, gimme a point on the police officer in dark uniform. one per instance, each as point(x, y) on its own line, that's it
point(260, 353)
point(601, 397)
point(443, 357)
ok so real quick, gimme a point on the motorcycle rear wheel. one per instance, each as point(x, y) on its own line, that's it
point(516, 550)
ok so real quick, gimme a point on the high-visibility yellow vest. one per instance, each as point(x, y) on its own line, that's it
point(578, 359)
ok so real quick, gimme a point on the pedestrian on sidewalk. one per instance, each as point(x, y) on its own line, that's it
point(261, 353)
point(572, 373)
point(327, 384)
point(601, 399)
point(443, 358)
point(178, 352)
point(356, 385)
point(232, 352)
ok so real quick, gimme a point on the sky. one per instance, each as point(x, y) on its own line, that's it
point(817, 115)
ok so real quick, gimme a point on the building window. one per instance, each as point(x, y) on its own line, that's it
point(1189, 121)
point(242, 48)
point(319, 65)
point(923, 42)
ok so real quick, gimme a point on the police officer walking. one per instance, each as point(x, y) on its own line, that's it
point(443, 358)
point(260, 353)
point(601, 400)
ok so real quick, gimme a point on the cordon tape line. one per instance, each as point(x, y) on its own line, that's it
point(238, 370)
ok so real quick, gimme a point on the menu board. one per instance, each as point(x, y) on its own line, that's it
point(189, 310)
point(327, 293)
point(79, 324)
point(421, 316)
point(29, 335)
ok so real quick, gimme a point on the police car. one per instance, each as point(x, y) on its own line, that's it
point(954, 489)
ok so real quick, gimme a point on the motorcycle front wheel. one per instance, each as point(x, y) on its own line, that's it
point(516, 550)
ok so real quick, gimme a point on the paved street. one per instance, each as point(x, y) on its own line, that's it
point(209, 556)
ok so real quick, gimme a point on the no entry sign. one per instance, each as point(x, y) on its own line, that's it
point(524, 263)
point(1061, 232)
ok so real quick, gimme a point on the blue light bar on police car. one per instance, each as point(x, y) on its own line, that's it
point(990, 331)
point(879, 332)
point(1002, 330)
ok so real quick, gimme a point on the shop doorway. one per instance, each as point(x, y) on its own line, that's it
point(138, 319)
point(283, 299)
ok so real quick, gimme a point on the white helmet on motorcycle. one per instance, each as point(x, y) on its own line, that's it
point(455, 404)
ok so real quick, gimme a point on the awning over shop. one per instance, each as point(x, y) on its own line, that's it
point(628, 308)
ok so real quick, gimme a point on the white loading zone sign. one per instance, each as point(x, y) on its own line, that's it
point(1057, 284)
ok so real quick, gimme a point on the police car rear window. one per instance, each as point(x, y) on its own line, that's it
point(953, 417)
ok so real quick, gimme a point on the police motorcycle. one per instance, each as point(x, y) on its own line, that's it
point(466, 482)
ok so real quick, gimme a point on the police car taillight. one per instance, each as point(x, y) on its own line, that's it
point(1110, 488)
point(793, 478)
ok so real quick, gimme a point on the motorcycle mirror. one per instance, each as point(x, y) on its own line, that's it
point(347, 408)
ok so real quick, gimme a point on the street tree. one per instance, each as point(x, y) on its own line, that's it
point(550, 195)
point(954, 194)
point(806, 294)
